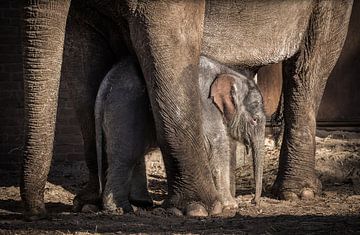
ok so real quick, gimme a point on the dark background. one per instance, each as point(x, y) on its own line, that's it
point(340, 105)
point(68, 143)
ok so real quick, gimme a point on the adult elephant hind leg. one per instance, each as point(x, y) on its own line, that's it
point(87, 59)
point(167, 39)
point(305, 79)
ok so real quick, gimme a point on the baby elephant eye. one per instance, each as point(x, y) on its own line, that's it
point(255, 104)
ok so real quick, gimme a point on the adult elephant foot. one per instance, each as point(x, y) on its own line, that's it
point(34, 204)
point(300, 189)
point(88, 198)
point(194, 209)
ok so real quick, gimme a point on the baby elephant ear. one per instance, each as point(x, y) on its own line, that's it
point(221, 92)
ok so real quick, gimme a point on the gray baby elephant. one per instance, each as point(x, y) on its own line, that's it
point(232, 110)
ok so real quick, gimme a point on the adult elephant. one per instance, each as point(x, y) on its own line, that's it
point(168, 38)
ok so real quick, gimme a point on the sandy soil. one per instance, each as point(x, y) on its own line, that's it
point(336, 210)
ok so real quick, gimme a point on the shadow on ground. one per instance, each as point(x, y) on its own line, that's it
point(149, 223)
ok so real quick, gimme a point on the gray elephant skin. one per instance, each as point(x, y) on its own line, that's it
point(168, 37)
point(231, 109)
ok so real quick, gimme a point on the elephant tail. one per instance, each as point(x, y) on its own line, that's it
point(99, 118)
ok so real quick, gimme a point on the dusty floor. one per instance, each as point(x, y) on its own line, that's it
point(336, 211)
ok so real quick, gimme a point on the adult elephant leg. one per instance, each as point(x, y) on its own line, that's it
point(167, 39)
point(87, 59)
point(43, 38)
point(305, 79)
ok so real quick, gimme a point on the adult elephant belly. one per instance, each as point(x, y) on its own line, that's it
point(254, 33)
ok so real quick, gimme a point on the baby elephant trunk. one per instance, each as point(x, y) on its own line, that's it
point(257, 142)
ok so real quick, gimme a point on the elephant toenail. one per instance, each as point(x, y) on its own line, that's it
point(307, 194)
point(217, 208)
point(196, 210)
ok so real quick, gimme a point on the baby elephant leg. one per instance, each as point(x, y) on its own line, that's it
point(125, 128)
point(125, 123)
point(222, 171)
point(139, 194)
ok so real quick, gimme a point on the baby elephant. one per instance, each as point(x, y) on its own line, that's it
point(232, 110)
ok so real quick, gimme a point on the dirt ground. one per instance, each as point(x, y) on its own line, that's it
point(336, 210)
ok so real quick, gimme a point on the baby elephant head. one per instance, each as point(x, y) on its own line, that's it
point(241, 103)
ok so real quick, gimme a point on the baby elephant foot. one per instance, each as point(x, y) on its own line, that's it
point(89, 208)
point(141, 199)
point(113, 206)
point(230, 204)
point(88, 200)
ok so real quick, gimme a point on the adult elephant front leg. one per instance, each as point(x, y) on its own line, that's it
point(167, 39)
point(43, 39)
point(305, 79)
